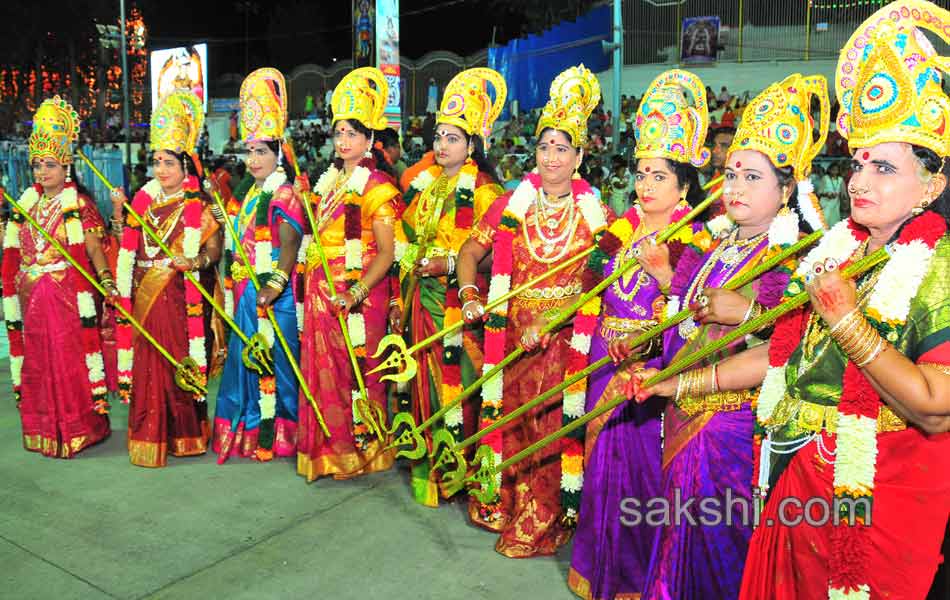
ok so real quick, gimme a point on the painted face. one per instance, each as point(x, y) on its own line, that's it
point(167, 170)
point(450, 146)
point(887, 183)
point(556, 157)
point(261, 160)
point(751, 190)
point(656, 185)
point(349, 143)
point(49, 173)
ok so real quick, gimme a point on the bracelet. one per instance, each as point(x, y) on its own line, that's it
point(217, 213)
point(845, 320)
point(467, 286)
point(393, 302)
point(359, 291)
point(754, 312)
point(714, 379)
point(449, 264)
point(665, 289)
point(278, 280)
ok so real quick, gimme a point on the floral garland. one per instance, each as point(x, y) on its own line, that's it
point(572, 449)
point(452, 344)
point(125, 268)
point(85, 301)
point(263, 265)
point(353, 192)
point(620, 235)
point(860, 405)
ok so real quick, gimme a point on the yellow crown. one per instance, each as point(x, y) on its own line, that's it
point(574, 96)
point(888, 79)
point(263, 106)
point(177, 122)
point(778, 123)
point(55, 128)
point(354, 98)
point(467, 104)
point(671, 126)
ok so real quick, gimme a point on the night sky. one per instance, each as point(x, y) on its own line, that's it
point(286, 33)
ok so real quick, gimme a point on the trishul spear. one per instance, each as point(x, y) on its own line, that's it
point(255, 348)
point(252, 275)
point(371, 414)
point(401, 357)
point(484, 476)
point(188, 375)
point(450, 453)
point(410, 439)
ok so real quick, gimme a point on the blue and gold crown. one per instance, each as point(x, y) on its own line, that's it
point(176, 124)
point(263, 106)
point(55, 128)
point(778, 123)
point(354, 98)
point(889, 79)
point(574, 96)
point(467, 103)
point(670, 125)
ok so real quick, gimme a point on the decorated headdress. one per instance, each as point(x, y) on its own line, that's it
point(354, 98)
point(670, 125)
point(55, 128)
point(778, 123)
point(574, 96)
point(889, 79)
point(467, 103)
point(177, 123)
point(263, 106)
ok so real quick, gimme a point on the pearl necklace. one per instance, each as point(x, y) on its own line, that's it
point(568, 221)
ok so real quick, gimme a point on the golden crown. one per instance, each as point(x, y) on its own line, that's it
point(467, 103)
point(177, 122)
point(888, 79)
point(671, 126)
point(574, 96)
point(354, 98)
point(778, 123)
point(55, 128)
point(263, 106)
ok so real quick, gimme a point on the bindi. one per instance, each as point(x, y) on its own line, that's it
point(865, 155)
point(738, 164)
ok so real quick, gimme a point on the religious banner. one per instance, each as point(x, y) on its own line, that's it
point(700, 40)
point(364, 33)
point(387, 56)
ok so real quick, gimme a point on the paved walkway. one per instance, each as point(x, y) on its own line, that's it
point(96, 527)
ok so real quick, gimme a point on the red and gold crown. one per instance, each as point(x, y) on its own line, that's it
point(354, 98)
point(177, 122)
point(574, 96)
point(888, 79)
point(670, 125)
point(467, 103)
point(778, 123)
point(55, 128)
point(263, 106)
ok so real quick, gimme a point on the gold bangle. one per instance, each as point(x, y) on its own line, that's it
point(872, 356)
point(843, 322)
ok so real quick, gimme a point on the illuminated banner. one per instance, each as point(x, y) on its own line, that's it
point(387, 56)
point(364, 33)
point(180, 68)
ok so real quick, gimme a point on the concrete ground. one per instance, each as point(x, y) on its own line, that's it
point(95, 527)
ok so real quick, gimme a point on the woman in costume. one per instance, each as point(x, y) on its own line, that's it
point(355, 205)
point(707, 432)
point(444, 202)
point(50, 309)
point(163, 417)
point(550, 217)
point(256, 416)
point(622, 449)
point(855, 402)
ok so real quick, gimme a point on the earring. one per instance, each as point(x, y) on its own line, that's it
point(918, 210)
point(577, 172)
point(280, 159)
point(369, 149)
point(69, 173)
point(471, 149)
